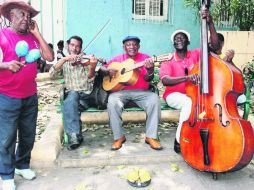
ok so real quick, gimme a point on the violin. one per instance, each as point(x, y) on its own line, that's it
point(86, 60)
point(215, 138)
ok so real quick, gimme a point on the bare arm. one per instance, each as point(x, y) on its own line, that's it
point(58, 66)
point(229, 55)
point(149, 65)
point(172, 81)
point(214, 37)
point(46, 51)
point(13, 66)
point(93, 62)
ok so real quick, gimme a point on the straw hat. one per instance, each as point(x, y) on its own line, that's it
point(6, 7)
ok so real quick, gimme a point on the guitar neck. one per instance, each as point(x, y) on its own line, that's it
point(160, 58)
point(136, 66)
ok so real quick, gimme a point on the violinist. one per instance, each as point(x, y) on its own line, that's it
point(174, 73)
point(78, 76)
point(137, 93)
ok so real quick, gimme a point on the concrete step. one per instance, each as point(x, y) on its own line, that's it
point(95, 150)
point(127, 116)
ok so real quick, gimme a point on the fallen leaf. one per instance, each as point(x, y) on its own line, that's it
point(175, 168)
point(120, 167)
point(81, 186)
point(85, 152)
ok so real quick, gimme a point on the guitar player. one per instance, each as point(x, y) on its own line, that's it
point(137, 93)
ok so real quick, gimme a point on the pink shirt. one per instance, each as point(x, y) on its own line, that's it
point(141, 83)
point(22, 83)
point(176, 67)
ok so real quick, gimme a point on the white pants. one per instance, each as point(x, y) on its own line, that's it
point(241, 99)
point(183, 103)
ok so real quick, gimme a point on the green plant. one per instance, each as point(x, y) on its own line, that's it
point(248, 72)
point(240, 12)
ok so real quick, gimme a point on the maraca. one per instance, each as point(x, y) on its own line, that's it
point(33, 55)
point(21, 49)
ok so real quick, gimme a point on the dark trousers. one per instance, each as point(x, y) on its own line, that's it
point(17, 116)
point(72, 110)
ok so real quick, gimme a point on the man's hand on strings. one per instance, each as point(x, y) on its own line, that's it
point(149, 64)
point(195, 79)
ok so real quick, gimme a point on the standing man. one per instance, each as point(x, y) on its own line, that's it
point(78, 80)
point(18, 93)
point(138, 93)
point(174, 73)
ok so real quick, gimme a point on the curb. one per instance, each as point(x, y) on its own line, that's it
point(47, 149)
point(119, 160)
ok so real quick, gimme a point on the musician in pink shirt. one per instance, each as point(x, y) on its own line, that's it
point(174, 73)
point(18, 93)
point(137, 93)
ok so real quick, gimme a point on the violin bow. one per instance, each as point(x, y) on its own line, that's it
point(97, 34)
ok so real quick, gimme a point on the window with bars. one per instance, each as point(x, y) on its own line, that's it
point(150, 10)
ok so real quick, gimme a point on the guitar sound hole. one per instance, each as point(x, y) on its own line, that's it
point(122, 71)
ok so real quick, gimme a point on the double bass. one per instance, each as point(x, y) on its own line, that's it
point(215, 138)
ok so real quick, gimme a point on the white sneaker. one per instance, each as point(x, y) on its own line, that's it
point(26, 173)
point(8, 184)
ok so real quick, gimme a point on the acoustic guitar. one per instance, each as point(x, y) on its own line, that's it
point(127, 72)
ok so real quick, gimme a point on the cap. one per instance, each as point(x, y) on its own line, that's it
point(131, 38)
point(180, 31)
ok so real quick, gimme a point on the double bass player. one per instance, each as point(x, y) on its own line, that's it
point(174, 73)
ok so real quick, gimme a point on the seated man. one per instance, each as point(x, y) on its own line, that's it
point(138, 93)
point(78, 83)
point(174, 73)
point(228, 57)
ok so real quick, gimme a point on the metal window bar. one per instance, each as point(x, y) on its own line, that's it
point(154, 7)
point(140, 7)
point(151, 10)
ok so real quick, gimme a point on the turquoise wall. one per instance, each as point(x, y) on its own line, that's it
point(86, 17)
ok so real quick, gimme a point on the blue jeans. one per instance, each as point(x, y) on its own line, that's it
point(16, 115)
point(71, 111)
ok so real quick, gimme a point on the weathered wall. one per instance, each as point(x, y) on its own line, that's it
point(85, 18)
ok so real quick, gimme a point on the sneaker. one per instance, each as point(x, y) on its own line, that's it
point(8, 184)
point(26, 173)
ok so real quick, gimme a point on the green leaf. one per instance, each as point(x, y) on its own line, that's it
point(120, 167)
point(176, 168)
point(85, 152)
